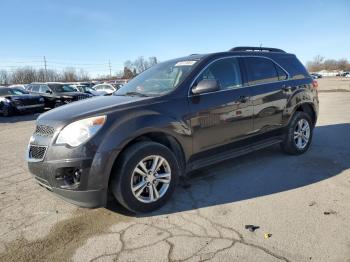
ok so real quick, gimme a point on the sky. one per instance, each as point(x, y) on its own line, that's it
point(88, 34)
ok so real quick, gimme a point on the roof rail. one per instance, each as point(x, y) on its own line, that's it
point(257, 48)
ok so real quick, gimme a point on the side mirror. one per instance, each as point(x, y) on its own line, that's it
point(206, 86)
point(48, 91)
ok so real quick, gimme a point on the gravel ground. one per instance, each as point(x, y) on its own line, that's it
point(334, 84)
point(303, 202)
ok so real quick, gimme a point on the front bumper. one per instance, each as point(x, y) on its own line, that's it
point(29, 107)
point(90, 191)
point(87, 198)
point(80, 174)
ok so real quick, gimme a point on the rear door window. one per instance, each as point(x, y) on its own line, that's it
point(43, 89)
point(35, 88)
point(260, 70)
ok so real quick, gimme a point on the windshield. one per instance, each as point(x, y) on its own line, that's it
point(58, 88)
point(11, 91)
point(17, 92)
point(159, 79)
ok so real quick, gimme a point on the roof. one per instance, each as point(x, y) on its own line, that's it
point(241, 51)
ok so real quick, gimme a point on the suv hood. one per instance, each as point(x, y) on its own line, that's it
point(22, 97)
point(89, 107)
point(71, 94)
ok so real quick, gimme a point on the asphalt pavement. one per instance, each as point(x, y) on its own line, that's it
point(301, 205)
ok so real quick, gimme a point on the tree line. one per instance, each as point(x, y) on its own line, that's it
point(28, 74)
point(133, 68)
point(320, 63)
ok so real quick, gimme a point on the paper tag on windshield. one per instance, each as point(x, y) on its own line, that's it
point(185, 63)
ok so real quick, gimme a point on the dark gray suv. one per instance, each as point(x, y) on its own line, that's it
point(177, 116)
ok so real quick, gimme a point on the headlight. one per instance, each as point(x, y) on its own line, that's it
point(67, 97)
point(41, 99)
point(5, 100)
point(80, 131)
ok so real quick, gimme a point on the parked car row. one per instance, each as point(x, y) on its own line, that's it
point(13, 100)
point(342, 74)
point(316, 75)
point(36, 97)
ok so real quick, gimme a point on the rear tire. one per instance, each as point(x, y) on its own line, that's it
point(298, 135)
point(151, 186)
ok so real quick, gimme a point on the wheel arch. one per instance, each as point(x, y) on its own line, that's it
point(307, 108)
point(160, 137)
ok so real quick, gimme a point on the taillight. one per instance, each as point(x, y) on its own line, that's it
point(314, 84)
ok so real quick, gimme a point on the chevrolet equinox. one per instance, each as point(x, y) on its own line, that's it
point(177, 116)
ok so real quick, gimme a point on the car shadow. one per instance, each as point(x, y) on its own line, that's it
point(261, 173)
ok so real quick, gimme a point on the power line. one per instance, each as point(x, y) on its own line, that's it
point(11, 65)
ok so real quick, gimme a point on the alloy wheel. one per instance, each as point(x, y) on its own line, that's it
point(302, 134)
point(150, 179)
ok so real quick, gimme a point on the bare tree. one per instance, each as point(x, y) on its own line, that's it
point(343, 64)
point(330, 64)
point(23, 75)
point(69, 75)
point(4, 77)
point(315, 64)
point(83, 75)
point(319, 63)
point(127, 73)
point(140, 64)
point(152, 61)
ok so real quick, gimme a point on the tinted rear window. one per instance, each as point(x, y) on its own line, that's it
point(293, 66)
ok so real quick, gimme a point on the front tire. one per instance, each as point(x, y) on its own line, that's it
point(57, 104)
point(145, 176)
point(298, 135)
point(7, 111)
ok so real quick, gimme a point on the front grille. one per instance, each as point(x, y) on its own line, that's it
point(27, 102)
point(80, 97)
point(37, 152)
point(17, 102)
point(42, 130)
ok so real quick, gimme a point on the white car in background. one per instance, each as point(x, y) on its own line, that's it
point(24, 87)
point(88, 90)
point(108, 88)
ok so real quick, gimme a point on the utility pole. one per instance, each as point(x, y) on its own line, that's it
point(45, 68)
point(110, 69)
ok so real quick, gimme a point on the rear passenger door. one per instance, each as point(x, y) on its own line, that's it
point(270, 92)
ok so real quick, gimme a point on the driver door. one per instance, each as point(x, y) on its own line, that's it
point(223, 117)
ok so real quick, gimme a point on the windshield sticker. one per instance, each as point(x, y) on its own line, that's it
point(185, 63)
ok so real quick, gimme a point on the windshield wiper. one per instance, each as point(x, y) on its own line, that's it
point(135, 94)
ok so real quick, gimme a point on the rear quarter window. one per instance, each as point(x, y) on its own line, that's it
point(293, 66)
point(282, 75)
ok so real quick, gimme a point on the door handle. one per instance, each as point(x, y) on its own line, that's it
point(286, 88)
point(243, 99)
